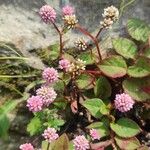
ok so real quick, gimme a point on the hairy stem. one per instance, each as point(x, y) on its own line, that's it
point(60, 39)
point(97, 35)
point(85, 32)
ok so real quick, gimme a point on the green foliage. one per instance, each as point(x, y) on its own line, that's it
point(125, 128)
point(101, 127)
point(113, 66)
point(138, 29)
point(125, 47)
point(102, 88)
point(34, 126)
point(54, 123)
point(62, 143)
point(140, 69)
point(146, 53)
point(87, 57)
point(96, 107)
point(4, 121)
point(127, 144)
point(84, 81)
point(135, 88)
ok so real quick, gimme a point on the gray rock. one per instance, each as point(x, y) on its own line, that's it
point(20, 23)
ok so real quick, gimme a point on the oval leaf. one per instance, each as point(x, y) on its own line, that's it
point(128, 144)
point(114, 66)
point(93, 106)
point(102, 88)
point(135, 88)
point(138, 29)
point(84, 81)
point(125, 47)
point(87, 57)
point(140, 69)
point(101, 127)
point(125, 128)
point(62, 143)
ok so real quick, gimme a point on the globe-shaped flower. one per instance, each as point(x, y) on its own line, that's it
point(81, 143)
point(81, 44)
point(67, 10)
point(123, 102)
point(35, 103)
point(111, 12)
point(26, 146)
point(50, 134)
point(64, 64)
point(70, 21)
point(47, 94)
point(94, 134)
point(47, 14)
point(50, 75)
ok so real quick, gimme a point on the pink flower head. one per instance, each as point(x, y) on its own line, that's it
point(47, 14)
point(26, 146)
point(47, 94)
point(123, 102)
point(68, 10)
point(35, 103)
point(50, 75)
point(64, 64)
point(94, 134)
point(81, 143)
point(50, 134)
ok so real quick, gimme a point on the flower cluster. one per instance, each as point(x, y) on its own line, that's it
point(68, 10)
point(110, 15)
point(47, 14)
point(123, 102)
point(81, 143)
point(64, 64)
point(47, 94)
point(50, 134)
point(70, 21)
point(50, 75)
point(81, 44)
point(26, 146)
point(77, 66)
point(94, 134)
point(35, 103)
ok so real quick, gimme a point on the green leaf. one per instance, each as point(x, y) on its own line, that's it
point(4, 121)
point(140, 69)
point(114, 66)
point(138, 29)
point(84, 81)
point(4, 125)
point(128, 144)
point(125, 47)
point(146, 53)
point(45, 145)
point(101, 127)
point(135, 88)
point(87, 57)
point(55, 123)
point(102, 88)
point(34, 126)
point(93, 106)
point(125, 128)
point(62, 143)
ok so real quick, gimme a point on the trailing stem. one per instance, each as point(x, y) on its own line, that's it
point(85, 32)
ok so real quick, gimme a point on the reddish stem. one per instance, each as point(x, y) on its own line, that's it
point(92, 72)
point(97, 35)
point(84, 31)
point(60, 39)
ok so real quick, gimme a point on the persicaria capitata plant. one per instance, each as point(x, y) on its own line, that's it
point(88, 101)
